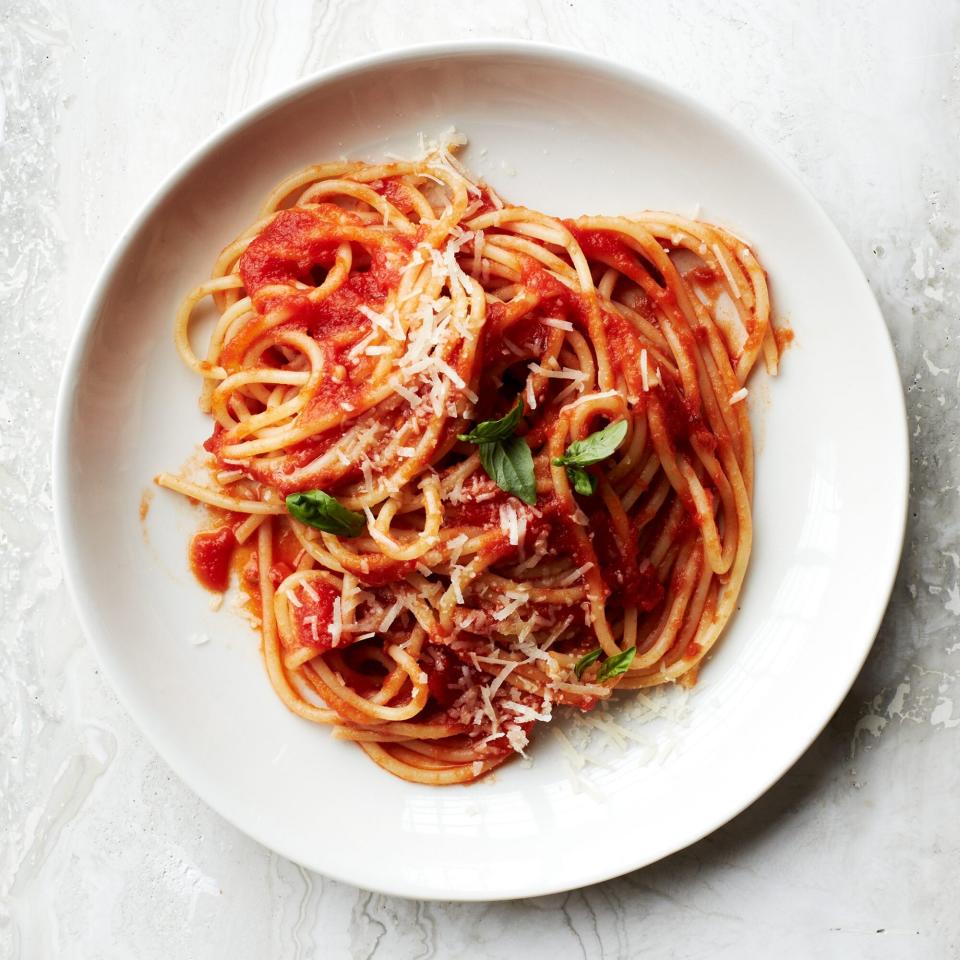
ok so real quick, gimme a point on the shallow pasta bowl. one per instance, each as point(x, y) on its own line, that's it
point(568, 134)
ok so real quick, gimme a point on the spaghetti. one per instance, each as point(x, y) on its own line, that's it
point(476, 461)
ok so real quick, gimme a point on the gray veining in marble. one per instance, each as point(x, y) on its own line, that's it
point(104, 854)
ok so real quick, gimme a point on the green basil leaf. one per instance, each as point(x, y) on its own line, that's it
point(318, 509)
point(617, 664)
point(583, 483)
point(490, 431)
point(598, 446)
point(592, 657)
point(509, 464)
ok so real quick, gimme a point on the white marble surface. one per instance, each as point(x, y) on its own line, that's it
point(103, 853)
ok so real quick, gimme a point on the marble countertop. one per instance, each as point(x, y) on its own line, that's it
point(105, 853)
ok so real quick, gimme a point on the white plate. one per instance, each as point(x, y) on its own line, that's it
point(567, 134)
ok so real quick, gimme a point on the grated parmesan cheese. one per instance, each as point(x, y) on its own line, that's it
point(455, 583)
point(390, 325)
point(524, 712)
point(409, 395)
point(456, 545)
point(531, 395)
point(517, 739)
point(564, 373)
point(726, 270)
point(575, 575)
point(505, 611)
point(311, 622)
point(390, 616)
point(336, 624)
point(509, 523)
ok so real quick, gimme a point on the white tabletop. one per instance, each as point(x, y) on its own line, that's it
point(105, 854)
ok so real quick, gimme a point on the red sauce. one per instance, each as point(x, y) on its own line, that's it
point(631, 582)
point(485, 514)
point(279, 572)
point(599, 244)
point(210, 555)
point(310, 449)
point(443, 671)
point(286, 547)
point(610, 249)
point(560, 302)
point(641, 586)
point(398, 194)
point(475, 513)
point(548, 287)
point(294, 244)
point(693, 648)
point(250, 575)
point(214, 442)
point(321, 608)
point(341, 310)
point(529, 335)
point(679, 419)
point(701, 274)
point(585, 703)
point(623, 348)
point(298, 247)
point(784, 338)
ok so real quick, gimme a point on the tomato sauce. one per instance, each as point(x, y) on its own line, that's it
point(250, 573)
point(784, 337)
point(554, 295)
point(476, 513)
point(610, 249)
point(381, 570)
point(529, 335)
point(485, 514)
point(623, 348)
point(294, 244)
point(632, 582)
point(443, 671)
point(397, 193)
point(316, 613)
point(680, 420)
point(340, 311)
point(701, 274)
point(210, 554)
point(298, 247)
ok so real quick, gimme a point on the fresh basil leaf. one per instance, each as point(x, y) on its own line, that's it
point(598, 446)
point(318, 509)
point(592, 657)
point(490, 431)
point(583, 483)
point(617, 664)
point(509, 464)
